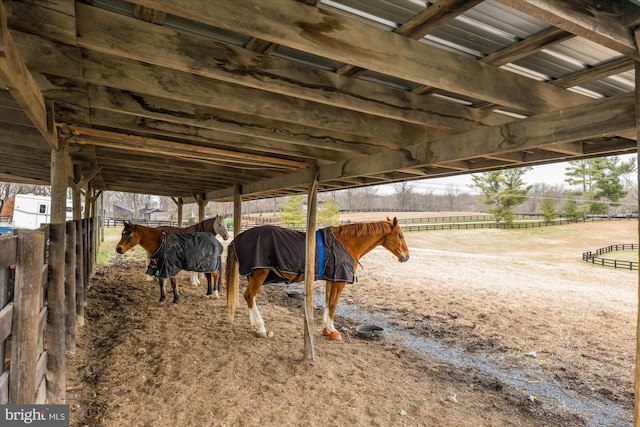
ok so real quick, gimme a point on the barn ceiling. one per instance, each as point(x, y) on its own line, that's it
point(199, 97)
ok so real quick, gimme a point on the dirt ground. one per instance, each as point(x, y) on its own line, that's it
point(482, 328)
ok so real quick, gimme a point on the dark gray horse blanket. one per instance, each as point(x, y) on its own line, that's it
point(199, 252)
point(283, 249)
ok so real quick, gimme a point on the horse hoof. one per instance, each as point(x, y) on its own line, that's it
point(325, 332)
point(335, 335)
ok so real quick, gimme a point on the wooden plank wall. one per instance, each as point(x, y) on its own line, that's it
point(24, 281)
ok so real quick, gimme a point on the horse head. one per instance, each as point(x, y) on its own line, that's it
point(220, 227)
point(394, 241)
point(129, 238)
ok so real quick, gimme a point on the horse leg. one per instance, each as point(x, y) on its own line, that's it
point(162, 294)
point(212, 288)
point(194, 279)
point(174, 286)
point(218, 278)
point(332, 295)
point(146, 276)
point(256, 278)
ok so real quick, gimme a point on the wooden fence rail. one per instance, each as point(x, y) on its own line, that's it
point(595, 258)
point(39, 296)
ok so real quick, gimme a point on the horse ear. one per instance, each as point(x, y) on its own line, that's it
point(388, 219)
point(395, 221)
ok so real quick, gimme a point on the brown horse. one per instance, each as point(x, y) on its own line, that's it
point(170, 253)
point(214, 225)
point(261, 254)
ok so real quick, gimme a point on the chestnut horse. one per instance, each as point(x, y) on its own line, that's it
point(356, 240)
point(215, 225)
point(153, 239)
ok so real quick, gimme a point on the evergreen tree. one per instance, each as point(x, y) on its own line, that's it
point(328, 213)
point(609, 183)
point(600, 180)
point(502, 190)
point(292, 212)
point(548, 208)
point(571, 210)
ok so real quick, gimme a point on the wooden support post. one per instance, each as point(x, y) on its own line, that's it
point(202, 204)
point(87, 201)
point(26, 310)
point(59, 160)
point(92, 246)
point(237, 209)
point(70, 287)
point(180, 203)
point(76, 195)
point(636, 401)
point(80, 301)
point(55, 337)
point(101, 218)
point(309, 271)
point(56, 361)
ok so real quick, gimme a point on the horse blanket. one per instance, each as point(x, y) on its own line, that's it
point(199, 252)
point(283, 249)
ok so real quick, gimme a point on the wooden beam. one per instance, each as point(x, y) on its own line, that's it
point(185, 87)
point(346, 40)
point(114, 33)
point(595, 119)
point(16, 77)
point(636, 399)
point(170, 148)
point(600, 27)
point(202, 135)
point(527, 46)
point(610, 68)
point(434, 16)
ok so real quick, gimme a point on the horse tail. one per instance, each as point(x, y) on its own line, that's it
point(233, 282)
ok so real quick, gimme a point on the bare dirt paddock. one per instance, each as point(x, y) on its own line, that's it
point(482, 328)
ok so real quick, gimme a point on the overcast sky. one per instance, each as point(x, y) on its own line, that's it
point(551, 174)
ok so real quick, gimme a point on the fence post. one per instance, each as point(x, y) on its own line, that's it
point(26, 310)
point(56, 362)
point(70, 287)
point(79, 274)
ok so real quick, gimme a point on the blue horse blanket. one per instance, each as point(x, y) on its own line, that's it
point(199, 252)
point(283, 249)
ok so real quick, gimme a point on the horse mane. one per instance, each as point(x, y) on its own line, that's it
point(364, 228)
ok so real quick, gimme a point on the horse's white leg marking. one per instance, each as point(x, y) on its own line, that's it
point(327, 323)
point(194, 278)
point(216, 295)
point(255, 318)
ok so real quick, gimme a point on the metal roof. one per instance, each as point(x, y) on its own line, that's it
point(205, 98)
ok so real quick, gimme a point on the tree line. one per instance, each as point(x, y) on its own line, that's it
point(596, 186)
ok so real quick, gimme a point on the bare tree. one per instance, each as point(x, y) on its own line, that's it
point(403, 193)
point(452, 193)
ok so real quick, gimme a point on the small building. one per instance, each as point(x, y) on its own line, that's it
point(122, 212)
